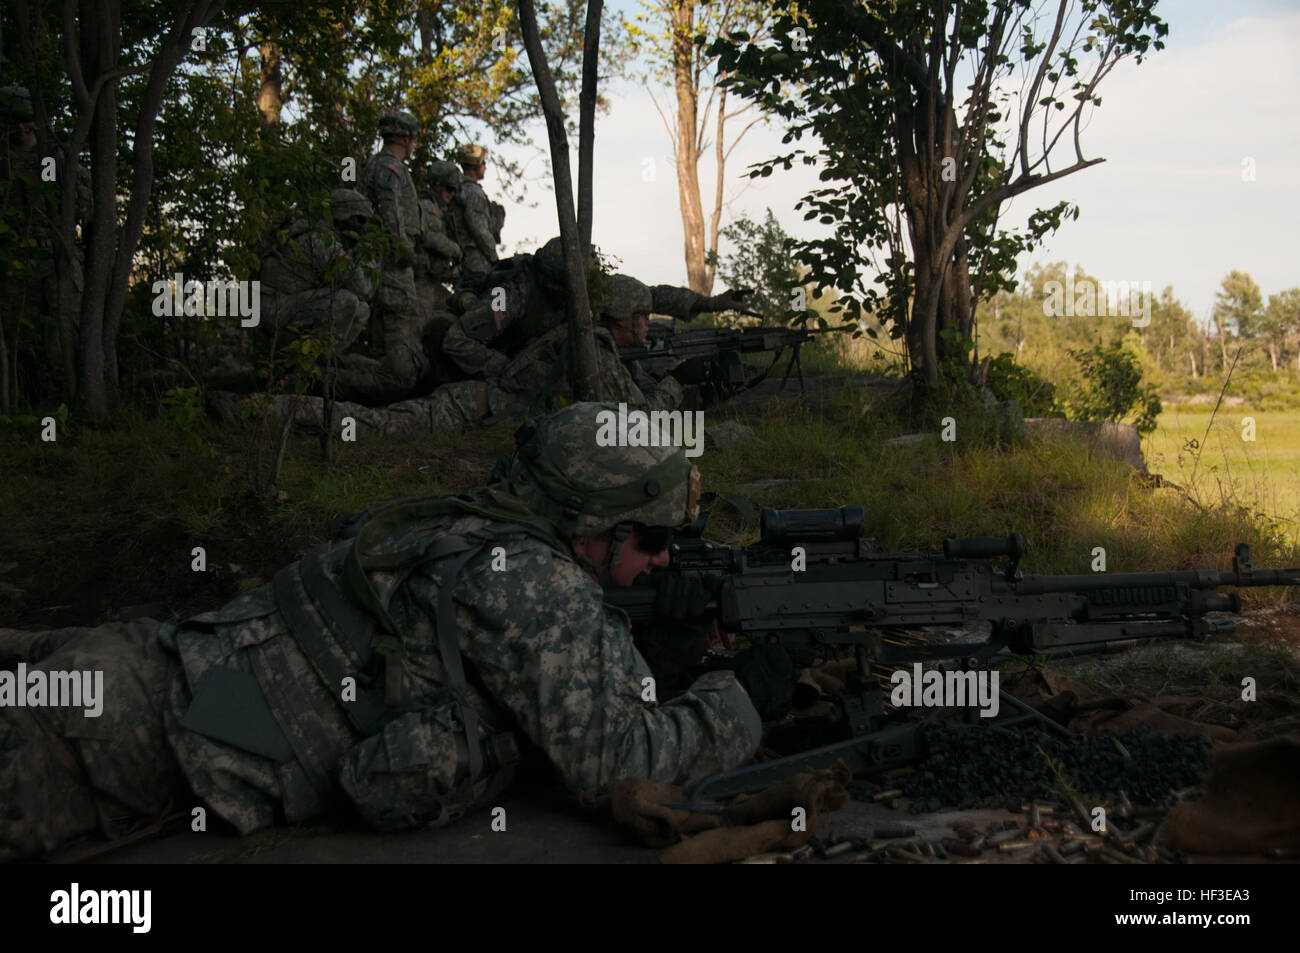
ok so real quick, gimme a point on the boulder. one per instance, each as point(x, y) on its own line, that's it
point(1120, 441)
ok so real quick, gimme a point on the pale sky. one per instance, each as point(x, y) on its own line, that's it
point(1168, 206)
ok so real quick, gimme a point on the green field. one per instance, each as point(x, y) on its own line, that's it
point(1262, 475)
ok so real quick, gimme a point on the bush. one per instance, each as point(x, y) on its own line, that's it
point(1111, 388)
point(1035, 395)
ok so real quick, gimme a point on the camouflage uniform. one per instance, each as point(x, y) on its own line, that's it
point(478, 225)
point(303, 292)
point(518, 307)
point(529, 383)
point(252, 700)
point(401, 316)
point(532, 303)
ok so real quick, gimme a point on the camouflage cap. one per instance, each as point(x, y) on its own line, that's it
point(471, 154)
point(444, 174)
point(349, 203)
point(16, 103)
point(623, 297)
point(398, 124)
point(569, 468)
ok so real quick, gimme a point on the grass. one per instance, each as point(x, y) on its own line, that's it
point(1064, 500)
point(107, 518)
point(1262, 476)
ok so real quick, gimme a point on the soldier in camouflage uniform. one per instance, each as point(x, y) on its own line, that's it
point(437, 266)
point(478, 223)
point(399, 671)
point(400, 319)
point(523, 304)
point(529, 383)
point(314, 281)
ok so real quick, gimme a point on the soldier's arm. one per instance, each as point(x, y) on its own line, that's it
point(547, 648)
point(680, 303)
point(386, 185)
point(477, 221)
point(467, 343)
point(434, 234)
point(684, 304)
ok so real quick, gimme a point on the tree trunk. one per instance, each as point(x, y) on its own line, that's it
point(583, 377)
point(688, 158)
point(100, 42)
point(587, 126)
point(270, 98)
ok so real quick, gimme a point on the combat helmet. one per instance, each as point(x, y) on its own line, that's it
point(348, 204)
point(444, 174)
point(623, 296)
point(569, 468)
point(398, 124)
point(16, 104)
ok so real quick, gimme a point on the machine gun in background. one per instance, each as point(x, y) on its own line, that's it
point(813, 583)
point(724, 347)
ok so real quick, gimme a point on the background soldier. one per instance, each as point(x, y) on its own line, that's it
point(478, 225)
point(455, 666)
point(400, 317)
point(530, 382)
point(436, 263)
point(314, 280)
point(531, 302)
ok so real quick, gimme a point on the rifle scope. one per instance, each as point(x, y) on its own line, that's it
point(782, 528)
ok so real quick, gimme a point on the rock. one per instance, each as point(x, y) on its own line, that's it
point(908, 440)
point(729, 433)
point(1010, 422)
point(760, 488)
point(1120, 441)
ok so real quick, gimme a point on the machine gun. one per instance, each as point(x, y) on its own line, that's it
point(724, 346)
point(814, 583)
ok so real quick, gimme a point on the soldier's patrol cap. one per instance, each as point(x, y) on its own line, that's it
point(472, 154)
point(16, 103)
point(398, 124)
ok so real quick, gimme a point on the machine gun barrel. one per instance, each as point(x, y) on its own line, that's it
point(813, 580)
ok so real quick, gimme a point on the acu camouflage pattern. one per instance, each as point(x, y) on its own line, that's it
point(554, 665)
point(63, 774)
point(530, 383)
point(298, 292)
point(485, 337)
point(402, 316)
point(559, 460)
point(475, 233)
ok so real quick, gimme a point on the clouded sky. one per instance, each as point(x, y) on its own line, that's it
point(1170, 204)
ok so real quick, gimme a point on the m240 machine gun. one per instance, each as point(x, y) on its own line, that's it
point(814, 583)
